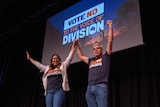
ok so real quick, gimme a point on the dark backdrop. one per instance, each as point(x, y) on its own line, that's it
point(134, 77)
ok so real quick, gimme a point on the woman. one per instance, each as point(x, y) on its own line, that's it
point(55, 78)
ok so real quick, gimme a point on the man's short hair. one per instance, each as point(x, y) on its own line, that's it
point(97, 43)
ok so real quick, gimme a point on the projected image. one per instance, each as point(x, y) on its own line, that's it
point(86, 21)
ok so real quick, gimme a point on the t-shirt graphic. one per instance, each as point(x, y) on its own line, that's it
point(95, 63)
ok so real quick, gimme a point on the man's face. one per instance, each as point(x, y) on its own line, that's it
point(97, 50)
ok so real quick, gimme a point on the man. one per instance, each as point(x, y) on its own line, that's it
point(99, 67)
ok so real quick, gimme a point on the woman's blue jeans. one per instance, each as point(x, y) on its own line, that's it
point(55, 98)
point(97, 95)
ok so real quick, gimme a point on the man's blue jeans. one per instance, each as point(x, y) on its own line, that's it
point(55, 98)
point(97, 95)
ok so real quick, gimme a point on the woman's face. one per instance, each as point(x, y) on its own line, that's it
point(55, 60)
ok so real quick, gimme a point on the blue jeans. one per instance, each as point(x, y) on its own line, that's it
point(97, 95)
point(55, 98)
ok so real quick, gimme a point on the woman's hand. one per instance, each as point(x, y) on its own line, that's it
point(28, 56)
